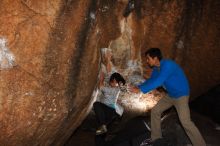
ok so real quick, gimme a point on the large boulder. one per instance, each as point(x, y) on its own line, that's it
point(49, 56)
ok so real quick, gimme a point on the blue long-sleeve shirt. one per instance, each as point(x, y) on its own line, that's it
point(170, 76)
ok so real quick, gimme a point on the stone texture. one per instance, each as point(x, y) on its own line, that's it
point(46, 92)
point(41, 94)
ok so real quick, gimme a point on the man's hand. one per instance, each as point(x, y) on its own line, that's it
point(133, 89)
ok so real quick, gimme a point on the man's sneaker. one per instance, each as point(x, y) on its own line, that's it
point(101, 130)
point(147, 142)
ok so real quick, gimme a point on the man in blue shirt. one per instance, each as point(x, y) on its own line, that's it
point(168, 74)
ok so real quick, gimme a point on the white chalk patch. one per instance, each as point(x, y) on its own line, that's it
point(134, 72)
point(180, 44)
point(133, 66)
point(92, 15)
point(7, 59)
point(105, 50)
point(104, 9)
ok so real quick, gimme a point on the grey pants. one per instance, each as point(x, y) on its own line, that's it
point(182, 107)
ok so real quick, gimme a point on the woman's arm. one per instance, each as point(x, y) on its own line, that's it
point(101, 79)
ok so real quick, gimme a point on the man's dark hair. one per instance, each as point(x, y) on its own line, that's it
point(118, 77)
point(154, 52)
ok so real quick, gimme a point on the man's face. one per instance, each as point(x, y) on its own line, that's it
point(151, 61)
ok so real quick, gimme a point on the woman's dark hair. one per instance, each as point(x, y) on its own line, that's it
point(154, 52)
point(118, 77)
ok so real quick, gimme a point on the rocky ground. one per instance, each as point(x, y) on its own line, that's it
point(172, 131)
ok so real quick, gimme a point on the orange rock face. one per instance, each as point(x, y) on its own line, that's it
point(44, 69)
point(49, 56)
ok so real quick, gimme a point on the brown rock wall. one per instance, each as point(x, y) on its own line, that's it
point(24, 102)
point(41, 98)
point(49, 56)
point(203, 59)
